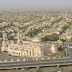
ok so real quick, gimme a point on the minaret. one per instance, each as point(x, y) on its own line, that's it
point(71, 32)
point(18, 42)
point(54, 48)
point(3, 48)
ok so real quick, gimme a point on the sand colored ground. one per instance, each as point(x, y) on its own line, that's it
point(44, 69)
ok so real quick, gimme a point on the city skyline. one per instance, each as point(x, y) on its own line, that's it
point(35, 4)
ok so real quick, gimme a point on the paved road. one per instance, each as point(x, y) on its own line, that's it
point(35, 63)
point(30, 62)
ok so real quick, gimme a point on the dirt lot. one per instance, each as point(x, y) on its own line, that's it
point(44, 69)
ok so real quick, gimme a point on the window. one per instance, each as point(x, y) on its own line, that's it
point(24, 54)
point(37, 53)
point(34, 53)
point(13, 52)
point(19, 53)
point(30, 52)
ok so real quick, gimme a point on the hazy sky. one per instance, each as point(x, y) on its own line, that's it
point(35, 3)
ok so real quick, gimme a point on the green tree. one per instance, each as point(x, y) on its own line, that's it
point(46, 26)
point(65, 27)
point(63, 40)
point(1, 28)
point(33, 32)
point(0, 21)
point(52, 37)
point(0, 34)
point(11, 38)
point(60, 48)
point(15, 31)
point(10, 32)
point(9, 25)
point(24, 28)
point(56, 21)
point(64, 52)
point(39, 70)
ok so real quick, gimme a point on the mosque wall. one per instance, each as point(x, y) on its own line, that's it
point(34, 48)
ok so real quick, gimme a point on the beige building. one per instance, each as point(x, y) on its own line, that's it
point(33, 48)
point(67, 35)
point(54, 47)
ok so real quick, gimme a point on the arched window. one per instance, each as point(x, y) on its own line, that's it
point(30, 52)
point(19, 53)
point(34, 53)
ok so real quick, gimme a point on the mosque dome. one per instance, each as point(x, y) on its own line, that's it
point(36, 39)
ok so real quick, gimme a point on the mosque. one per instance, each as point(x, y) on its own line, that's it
point(33, 48)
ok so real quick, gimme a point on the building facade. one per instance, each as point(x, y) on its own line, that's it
point(33, 48)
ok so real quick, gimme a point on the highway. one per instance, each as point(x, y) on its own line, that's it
point(35, 63)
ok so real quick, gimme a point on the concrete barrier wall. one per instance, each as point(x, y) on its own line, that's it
point(27, 59)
